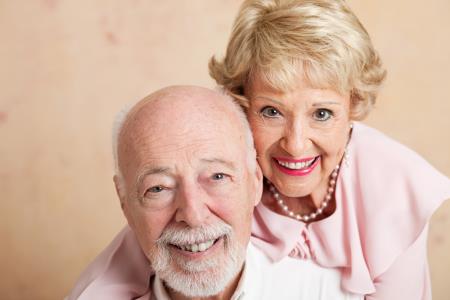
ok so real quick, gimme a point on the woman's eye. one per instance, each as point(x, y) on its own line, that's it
point(322, 114)
point(270, 111)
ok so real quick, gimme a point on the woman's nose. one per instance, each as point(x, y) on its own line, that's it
point(294, 140)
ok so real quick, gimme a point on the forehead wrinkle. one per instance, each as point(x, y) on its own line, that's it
point(157, 152)
point(168, 144)
point(213, 160)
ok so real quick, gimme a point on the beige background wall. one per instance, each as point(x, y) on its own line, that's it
point(66, 67)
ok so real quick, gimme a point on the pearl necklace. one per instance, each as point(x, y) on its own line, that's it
point(312, 216)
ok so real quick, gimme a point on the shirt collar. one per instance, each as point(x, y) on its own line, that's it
point(159, 290)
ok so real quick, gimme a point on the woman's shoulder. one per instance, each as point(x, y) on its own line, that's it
point(392, 192)
point(379, 154)
point(368, 142)
point(388, 166)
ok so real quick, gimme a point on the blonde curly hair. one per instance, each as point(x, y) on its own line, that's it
point(277, 41)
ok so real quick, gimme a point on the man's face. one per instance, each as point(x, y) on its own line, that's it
point(189, 193)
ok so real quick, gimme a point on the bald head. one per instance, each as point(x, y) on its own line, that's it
point(178, 111)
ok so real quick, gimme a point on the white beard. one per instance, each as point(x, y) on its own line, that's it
point(203, 278)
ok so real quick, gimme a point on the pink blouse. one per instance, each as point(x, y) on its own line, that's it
point(377, 237)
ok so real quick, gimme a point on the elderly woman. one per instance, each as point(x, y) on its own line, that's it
point(338, 192)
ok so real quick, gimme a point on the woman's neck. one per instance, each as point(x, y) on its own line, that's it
point(301, 205)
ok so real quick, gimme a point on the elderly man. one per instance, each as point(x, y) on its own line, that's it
point(187, 179)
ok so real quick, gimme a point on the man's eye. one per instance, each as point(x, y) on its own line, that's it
point(218, 176)
point(322, 114)
point(157, 197)
point(270, 111)
point(155, 189)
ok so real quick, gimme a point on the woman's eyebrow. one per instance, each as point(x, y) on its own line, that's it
point(278, 102)
point(319, 103)
point(326, 103)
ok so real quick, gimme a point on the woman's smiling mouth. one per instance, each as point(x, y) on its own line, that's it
point(300, 167)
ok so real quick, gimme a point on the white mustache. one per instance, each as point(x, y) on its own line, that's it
point(176, 235)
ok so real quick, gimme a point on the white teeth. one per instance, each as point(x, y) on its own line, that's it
point(297, 165)
point(202, 247)
point(198, 247)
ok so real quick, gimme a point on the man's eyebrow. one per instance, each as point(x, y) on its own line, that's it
point(151, 171)
point(227, 163)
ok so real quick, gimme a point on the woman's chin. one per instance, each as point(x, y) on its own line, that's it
point(293, 190)
point(292, 186)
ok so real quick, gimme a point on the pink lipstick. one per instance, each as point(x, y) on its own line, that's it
point(296, 167)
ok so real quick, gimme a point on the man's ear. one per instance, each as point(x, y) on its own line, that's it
point(259, 180)
point(120, 189)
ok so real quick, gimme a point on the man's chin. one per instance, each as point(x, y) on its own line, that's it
point(204, 281)
point(202, 276)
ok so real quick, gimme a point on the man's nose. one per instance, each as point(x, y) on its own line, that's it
point(192, 208)
point(294, 140)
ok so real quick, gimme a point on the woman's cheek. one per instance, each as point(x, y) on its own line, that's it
point(261, 140)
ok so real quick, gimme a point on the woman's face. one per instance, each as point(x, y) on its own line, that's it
point(300, 136)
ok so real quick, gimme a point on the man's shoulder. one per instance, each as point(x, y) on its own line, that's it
point(120, 271)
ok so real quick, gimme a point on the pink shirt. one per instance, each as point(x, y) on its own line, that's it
point(385, 197)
